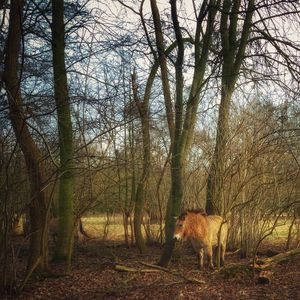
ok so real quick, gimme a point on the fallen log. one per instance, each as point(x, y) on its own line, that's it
point(265, 277)
point(261, 266)
point(264, 263)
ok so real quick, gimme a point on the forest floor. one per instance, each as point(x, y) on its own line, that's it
point(94, 276)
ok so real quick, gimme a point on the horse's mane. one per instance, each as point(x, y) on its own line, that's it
point(199, 211)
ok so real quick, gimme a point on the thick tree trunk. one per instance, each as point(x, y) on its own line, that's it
point(173, 208)
point(32, 154)
point(66, 183)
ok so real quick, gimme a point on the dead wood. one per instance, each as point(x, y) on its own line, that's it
point(229, 253)
point(265, 277)
point(156, 268)
point(175, 273)
point(123, 268)
point(264, 263)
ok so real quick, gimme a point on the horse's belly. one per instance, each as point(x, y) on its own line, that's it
point(197, 244)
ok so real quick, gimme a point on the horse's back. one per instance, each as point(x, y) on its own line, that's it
point(214, 224)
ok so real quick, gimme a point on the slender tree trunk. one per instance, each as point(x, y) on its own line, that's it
point(126, 226)
point(66, 183)
point(218, 165)
point(163, 67)
point(32, 154)
point(141, 188)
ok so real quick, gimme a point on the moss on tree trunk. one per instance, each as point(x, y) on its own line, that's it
point(66, 182)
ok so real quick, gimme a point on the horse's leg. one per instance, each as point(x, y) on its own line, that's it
point(201, 257)
point(210, 256)
point(223, 250)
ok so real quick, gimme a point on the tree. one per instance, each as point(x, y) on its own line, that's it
point(182, 117)
point(143, 109)
point(233, 51)
point(33, 156)
point(66, 179)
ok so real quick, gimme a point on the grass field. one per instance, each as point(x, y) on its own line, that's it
point(280, 231)
point(95, 225)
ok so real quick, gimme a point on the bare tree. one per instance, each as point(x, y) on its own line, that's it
point(143, 109)
point(66, 181)
point(33, 156)
point(233, 52)
point(182, 117)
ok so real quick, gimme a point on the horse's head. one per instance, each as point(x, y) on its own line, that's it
point(189, 224)
point(179, 232)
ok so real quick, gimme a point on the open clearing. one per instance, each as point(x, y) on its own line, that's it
point(94, 276)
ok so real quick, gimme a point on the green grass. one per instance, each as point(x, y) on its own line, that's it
point(94, 225)
point(281, 231)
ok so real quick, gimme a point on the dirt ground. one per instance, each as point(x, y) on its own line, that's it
point(94, 276)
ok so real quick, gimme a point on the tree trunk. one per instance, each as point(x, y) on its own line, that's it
point(233, 51)
point(66, 183)
point(138, 215)
point(173, 208)
point(217, 172)
point(32, 154)
point(141, 188)
point(185, 119)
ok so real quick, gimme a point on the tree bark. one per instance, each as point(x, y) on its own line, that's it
point(32, 154)
point(66, 183)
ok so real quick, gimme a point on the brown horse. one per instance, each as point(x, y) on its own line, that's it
point(204, 232)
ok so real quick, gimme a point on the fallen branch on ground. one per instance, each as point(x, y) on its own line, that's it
point(264, 263)
point(123, 268)
point(175, 273)
point(233, 252)
point(156, 268)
